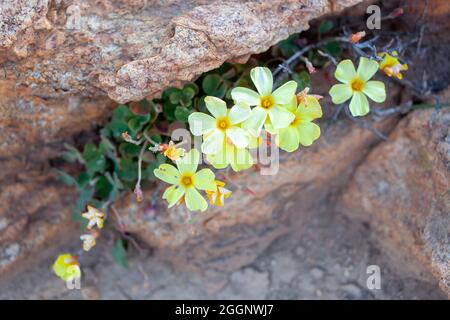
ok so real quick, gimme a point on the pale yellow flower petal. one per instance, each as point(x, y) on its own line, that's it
point(239, 113)
point(240, 159)
point(280, 117)
point(345, 71)
point(248, 96)
point(194, 200)
point(167, 173)
point(310, 109)
point(366, 68)
point(218, 160)
point(213, 142)
point(287, 139)
point(284, 94)
point(205, 180)
point(340, 93)
point(359, 106)
point(201, 123)
point(189, 163)
point(256, 120)
point(217, 107)
point(238, 136)
point(173, 194)
point(262, 79)
point(308, 132)
point(375, 90)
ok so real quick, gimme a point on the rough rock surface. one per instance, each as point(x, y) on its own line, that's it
point(403, 190)
point(60, 59)
point(324, 257)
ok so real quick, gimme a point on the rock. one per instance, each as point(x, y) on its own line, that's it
point(61, 59)
point(402, 190)
point(256, 284)
point(33, 216)
point(317, 273)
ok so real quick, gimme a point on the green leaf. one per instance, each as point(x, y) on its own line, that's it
point(129, 149)
point(90, 151)
point(72, 154)
point(95, 160)
point(191, 85)
point(176, 97)
point(66, 178)
point(83, 179)
point(182, 113)
point(96, 164)
point(106, 145)
point(200, 105)
point(169, 111)
point(334, 49)
point(303, 80)
point(84, 197)
point(211, 84)
point(156, 137)
point(288, 46)
point(136, 123)
point(122, 112)
point(103, 188)
point(128, 169)
point(114, 180)
point(119, 253)
point(117, 128)
point(325, 26)
point(188, 93)
point(166, 93)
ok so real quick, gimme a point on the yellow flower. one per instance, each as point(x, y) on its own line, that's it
point(391, 65)
point(88, 241)
point(222, 126)
point(94, 216)
point(218, 196)
point(238, 158)
point(66, 267)
point(301, 130)
point(356, 85)
point(172, 152)
point(269, 105)
point(185, 181)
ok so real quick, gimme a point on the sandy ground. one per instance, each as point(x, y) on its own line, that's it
point(327, 260)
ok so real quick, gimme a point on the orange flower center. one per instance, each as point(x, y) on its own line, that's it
point(296, 120)
point(186, 181)
point(357, 84)
point(223, 123)
point(266, 102)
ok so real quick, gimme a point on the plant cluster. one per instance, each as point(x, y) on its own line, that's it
point(227, 109)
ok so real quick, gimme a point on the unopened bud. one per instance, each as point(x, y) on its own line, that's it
point(126, 136)
point(139, 194)
point(310, 66)
point(356, 37)
point(397, 12)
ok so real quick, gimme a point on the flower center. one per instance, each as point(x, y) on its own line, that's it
point(357, 84)
point(223, 123)
point(296, 120)
point(266, 102)
point(186, 181)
